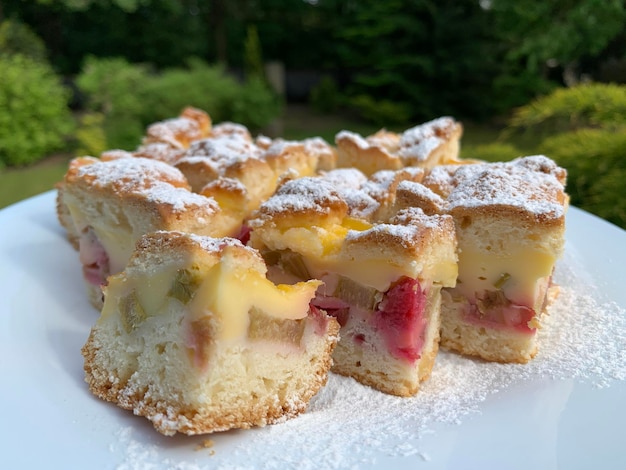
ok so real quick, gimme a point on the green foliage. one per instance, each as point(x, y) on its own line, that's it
point(255, 105)
point(594, 159)
point(552, 30)
point(587, 105)
point(163, 95)
point(113, 88)
point(34, 116)
point(515, 86)
point(90, 134)
point(492, 152)
point(325, 96)
point(380, 112)
point(433, 56)
point(18, 38)
point(253, 60)
point(130, 97)
point(586, 127)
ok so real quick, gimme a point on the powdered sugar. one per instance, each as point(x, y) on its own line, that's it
point(518, 184)
point(179, 199)
point(349, 425)
point(129, 173)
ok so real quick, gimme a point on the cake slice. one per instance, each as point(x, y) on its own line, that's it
point(427, 145)
point(108, 205)
point(194, 337)
point(510, 223)
point(229, 156)
point(382, 281)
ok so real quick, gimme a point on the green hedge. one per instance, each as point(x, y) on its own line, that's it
point(584, 129)
point(131, 96)
point(34, 115)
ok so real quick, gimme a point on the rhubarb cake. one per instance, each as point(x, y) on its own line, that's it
point(510, 222)
point(194, 337)
point(107, 205)
point(381, 280)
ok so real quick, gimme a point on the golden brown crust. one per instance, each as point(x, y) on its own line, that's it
point(192, 124)
point(354, 151)
point(168, 418)
point(430, 144)
point(302, 202)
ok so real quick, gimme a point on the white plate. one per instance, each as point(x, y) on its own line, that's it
point(566, 409)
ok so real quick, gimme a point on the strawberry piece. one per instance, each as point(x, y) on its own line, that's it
point(244, 234)
point(400, 319)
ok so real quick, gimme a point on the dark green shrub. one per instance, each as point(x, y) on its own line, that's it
point(596, 166)
point(493, 152)
point(18, 38)
point(130, 97)
point(380, 112)
point(90, 135)
point(253, 56)
point(163, 95)
point(565, 109)
point(34, 115)
point(325, 96)
point(588, 126)
point(255, 105)
point(113, 87)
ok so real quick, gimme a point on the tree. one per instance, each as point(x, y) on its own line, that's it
point(556, 33)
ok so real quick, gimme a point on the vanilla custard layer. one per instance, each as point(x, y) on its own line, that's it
point(321, 250)
point(226, 293)
point(516, 274)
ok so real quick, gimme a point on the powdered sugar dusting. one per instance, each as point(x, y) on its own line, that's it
point(179, 199)
point(349, 425)
point(518, 184)
point(130, 173)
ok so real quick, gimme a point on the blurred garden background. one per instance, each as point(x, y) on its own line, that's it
point(524, 77)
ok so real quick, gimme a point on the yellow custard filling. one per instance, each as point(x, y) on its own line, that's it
point(516, 274)
point(226, 292)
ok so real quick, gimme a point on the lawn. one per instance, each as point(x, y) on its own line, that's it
point(297, 123)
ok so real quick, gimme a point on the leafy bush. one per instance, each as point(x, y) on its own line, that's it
point(493, 152)
point(34, 115)
point(131, 97)
point(163, 95)
point(589, 140)
point(18, 38)
point(380, 112)
point(324, 96)
point(255, 105)
point(596, 169)
point(566, 109)
point(90, 134)
point(113, 87)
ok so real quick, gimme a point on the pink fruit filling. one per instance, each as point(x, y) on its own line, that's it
point(244, 234)
point(494, 310)
point(400, 319)
point(93, 257)
point(320, 318)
